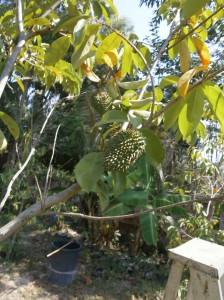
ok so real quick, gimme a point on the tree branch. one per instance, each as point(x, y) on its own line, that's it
point(36, 210)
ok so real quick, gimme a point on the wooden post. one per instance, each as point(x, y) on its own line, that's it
point(174, 280)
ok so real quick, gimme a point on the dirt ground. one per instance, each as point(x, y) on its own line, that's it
point(108, 274)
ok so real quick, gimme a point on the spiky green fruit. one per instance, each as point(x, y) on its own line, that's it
point(101, 101)
point(123, 150)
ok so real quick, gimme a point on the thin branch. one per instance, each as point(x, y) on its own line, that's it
point(137, 214)
point(9, 188)
point(55, 5)
point(50, 165)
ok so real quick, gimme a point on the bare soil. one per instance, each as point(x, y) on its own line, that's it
point(108, 274)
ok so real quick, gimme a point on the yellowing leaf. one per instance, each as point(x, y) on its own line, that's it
point(202, 51)
point(185, 56)
point(110, 58)
point(184, 80)
point(89, 73)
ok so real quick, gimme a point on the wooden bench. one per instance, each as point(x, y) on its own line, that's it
point(205, 261)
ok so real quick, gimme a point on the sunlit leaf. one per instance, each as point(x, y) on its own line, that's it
point(38, 21)
point(57, 50)
point(133, 84)
point(112, 116)
point(184, 80)
point(20, 83)
point(191, 7)
point(185, 56)
point(202, 50)
point(89, 73)
point(110, 58)
point(11, 124)
point(215, 97)
point(168, 80)
point(191, 113)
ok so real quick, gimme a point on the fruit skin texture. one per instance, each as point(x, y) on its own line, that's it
point(101, 101)
point(123, 150)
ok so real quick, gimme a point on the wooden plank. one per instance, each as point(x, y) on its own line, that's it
point(174, 279)
point(203, 287)
point(203, 255)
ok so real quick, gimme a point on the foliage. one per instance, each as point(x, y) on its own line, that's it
point(70, 51)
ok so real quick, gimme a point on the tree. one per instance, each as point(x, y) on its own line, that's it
point(58, 44)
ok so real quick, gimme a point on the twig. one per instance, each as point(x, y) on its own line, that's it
point(39, 190)
point(50, 163)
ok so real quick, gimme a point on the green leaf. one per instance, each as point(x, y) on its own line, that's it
point(126, 59)
point(89, 170)
point(117, 209)
point(119, 182)
point(149, 229)
point(132, 85)
point(201, 130)
point(83, 50)
point(3, 142)
point(191, 7)
point(112, 116)
point(133, 177)
point(172, 113)
point(134, 198)
point(38, 21)
point(11, 124)
point(68, 23)
point(191, 113)
point(111, 42)
point(103, 194)
point(154, 148)
point(20, 83)
point(215, 97)
point(168, 80)
point(57, 50)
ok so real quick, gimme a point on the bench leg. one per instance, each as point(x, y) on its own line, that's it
point(173, 281)
point(203, 286)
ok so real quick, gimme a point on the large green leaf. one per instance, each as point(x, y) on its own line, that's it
point(112, 116)
point(149, 228)
point(57, 50)
point(68, 23)
point(117, 209)
point(103, 194)
point(191, 7)
point(83, 50)
point(3, 142)
point(191, 113)
point(154, 148)
point(38, 21)
point(126, 59)
point(89, 170)
point(133, 85)
point(119, 182)
point(172, 113)
point(215, 97)
point(11, 124)
point(134, 198)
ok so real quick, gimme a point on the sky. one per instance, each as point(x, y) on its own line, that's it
point(140, 16)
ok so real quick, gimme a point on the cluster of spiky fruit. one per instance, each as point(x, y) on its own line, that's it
point(101, 101)
point(123, 150)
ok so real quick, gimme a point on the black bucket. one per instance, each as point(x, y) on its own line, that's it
point(63, 263)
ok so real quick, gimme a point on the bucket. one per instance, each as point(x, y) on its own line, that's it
point(63, 263)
